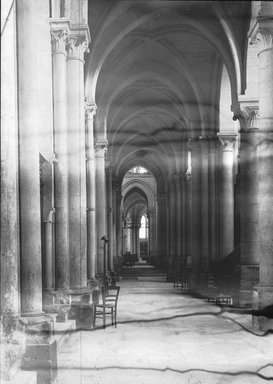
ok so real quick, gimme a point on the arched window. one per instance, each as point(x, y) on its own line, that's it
point(139, 169)
point(143, 230)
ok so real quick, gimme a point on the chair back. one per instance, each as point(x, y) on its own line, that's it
point(110, 294)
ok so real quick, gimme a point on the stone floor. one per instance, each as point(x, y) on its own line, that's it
point(166, 336)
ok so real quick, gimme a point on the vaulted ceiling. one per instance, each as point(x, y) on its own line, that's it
point(154, 71)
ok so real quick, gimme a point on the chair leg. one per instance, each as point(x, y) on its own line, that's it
point(112, 316)
point(103, 316)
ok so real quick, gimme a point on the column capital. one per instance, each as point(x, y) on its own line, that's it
point(76, 48)
point(90, 110)
point(227, 140)
point(261, 28)
point(246, 110)
point(264, 38)
point(59, 40)
point(101, 146)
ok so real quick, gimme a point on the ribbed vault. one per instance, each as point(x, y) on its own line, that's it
point(154, 71)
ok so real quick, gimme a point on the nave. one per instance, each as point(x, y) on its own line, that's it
point(166, 336)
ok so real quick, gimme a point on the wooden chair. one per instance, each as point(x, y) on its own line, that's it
point(108, 307)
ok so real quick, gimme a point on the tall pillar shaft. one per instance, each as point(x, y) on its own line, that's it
point(213, 200)
point(109, 192)
point(118, 221)
point(76, 162)
point(59, 40)
point(172, 228)
point(35, 114)
point(227, 194)
point(91, 193)
point(204, 143)
point(249, 182)
point(100, 148)
point(10, 261)
point(262, 296)
point(196, 217)
point(178, 208)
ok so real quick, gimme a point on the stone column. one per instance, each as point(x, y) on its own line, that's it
point(178, 210)
point(30, 98)
point(247, 272)
point(263, 294)
point(213, 200)
point(91, 193)
point(172, 227)
point(227, 141)
point(10, 241)
point(196, 217)
point(152, 234)
point(167, 228)
point(188, 208)
point(114, 223)
point(100, 149)
point(118, 219)
point(78, 42)
point(205, 213)
point(109, 194)
point(160, 250)
point(59, 32)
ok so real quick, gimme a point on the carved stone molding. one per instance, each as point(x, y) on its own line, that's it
point(264, 38)
point(90, 110)
point(59, 40)
point(101, 146)
point(247, 112)
point(227, 141)
point(76, 47)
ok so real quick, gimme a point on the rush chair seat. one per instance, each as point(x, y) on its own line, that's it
point(108, 306)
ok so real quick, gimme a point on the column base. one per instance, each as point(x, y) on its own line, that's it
point(198, 283)
point(12, 345)
point(246, 278)
point(262, 305)
point(41, 350)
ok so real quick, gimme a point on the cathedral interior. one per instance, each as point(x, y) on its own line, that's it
point(136, 151)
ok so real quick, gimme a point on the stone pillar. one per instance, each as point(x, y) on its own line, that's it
point(263, 294)
point(205, 213)
point(91, 193)
point(100, 148)
point(78, 42)
point(160, 215)
point(109, 194)
point(152, 234)
point(178, 210)
point(114, 223)
point(59, 32)
point(118, 220)
point(10, 241)
point(247, 272)
point(213, 200)
point(196, 217)
point(188, 208)
point(227, 141)
point(172, 227)
point(167, 228)
point(30, 98)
